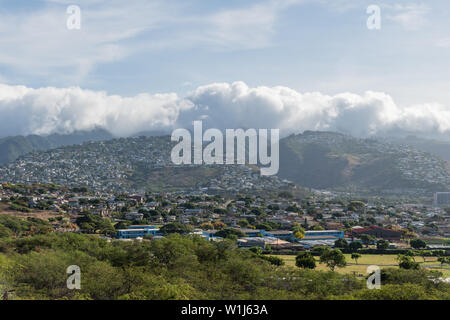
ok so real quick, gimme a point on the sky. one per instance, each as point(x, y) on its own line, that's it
point(142, 65)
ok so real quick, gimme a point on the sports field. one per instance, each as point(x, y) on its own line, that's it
point(383, 261)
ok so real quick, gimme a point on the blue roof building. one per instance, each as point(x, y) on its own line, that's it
point(137, 231)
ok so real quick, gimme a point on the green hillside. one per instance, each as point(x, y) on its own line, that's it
point(13, 147)
point(327, 160)
point(318, 160)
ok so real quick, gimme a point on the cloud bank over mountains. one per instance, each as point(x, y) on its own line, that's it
point(49, 110)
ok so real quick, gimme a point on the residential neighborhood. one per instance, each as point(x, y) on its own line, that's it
point(269, 221)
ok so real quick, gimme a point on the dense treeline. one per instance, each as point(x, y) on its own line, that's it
point(183, 267)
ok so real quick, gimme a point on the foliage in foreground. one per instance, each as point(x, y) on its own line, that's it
point(183, 267)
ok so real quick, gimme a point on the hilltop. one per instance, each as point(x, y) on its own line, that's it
point(329, 160)
point(126, 164)
point(13, 147)
point(436, 147)
point(318, 160)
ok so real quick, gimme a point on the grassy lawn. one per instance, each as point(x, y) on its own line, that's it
point(383, 261)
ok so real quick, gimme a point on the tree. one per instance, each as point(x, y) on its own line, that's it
point(273, 260)
point(438, 253)
point(443, 260)
point(5, 232)
point(220, 211)
point(333, 258)
point(354, 246)
point(230, 233)
point(356, 256)
point(257, 250)
point(341, 243)
point(319, 250)
point(122, 225)
point(356, 205)
point(206, 226)
point(243, 223)
point(424, 254)
point(294, 208)
point(96, 224)
point(417, 243)
point(305, 260)
point(175, 227)
point(298, 231)
point(367, 239)
point(406, 262)
point(256, 211)
point(218, 225)
point(410, 253)
point(264, 226)
point(382, 244)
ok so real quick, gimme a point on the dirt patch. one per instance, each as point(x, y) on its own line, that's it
point(41, 214)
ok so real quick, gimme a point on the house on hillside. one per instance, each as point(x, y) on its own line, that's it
point(134, 216)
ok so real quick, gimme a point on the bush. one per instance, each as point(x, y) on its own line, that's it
point(305, 260)
point(318, 251)
point(16, 207)
point(418, 243)
point(406, 262)
point(274, 260)
point(340, 243)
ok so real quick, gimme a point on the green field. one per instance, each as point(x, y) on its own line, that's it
point(360, 269)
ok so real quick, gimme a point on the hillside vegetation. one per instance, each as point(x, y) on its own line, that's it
point(13, 147)
point(319, 160)
point(325, 160)
point(183, 267)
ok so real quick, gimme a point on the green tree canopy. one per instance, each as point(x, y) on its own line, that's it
point(355, 256)
point(305, 260)
point(333, 258)
point(417, 243)
point(176, 227)
point(341, 243)
point(382, 244)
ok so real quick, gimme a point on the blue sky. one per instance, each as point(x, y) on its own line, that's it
point(174, 46)
point(131, 47)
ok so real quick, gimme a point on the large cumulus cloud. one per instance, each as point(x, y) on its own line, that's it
point(373, 113)
point(48, 110)
point(221, 105)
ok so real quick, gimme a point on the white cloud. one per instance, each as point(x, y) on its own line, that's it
point(222, 105)
point(42, 111)
point(38, 42)
point(245, 28)
point(233, 105)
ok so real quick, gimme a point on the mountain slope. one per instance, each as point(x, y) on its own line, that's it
point(127, 164)
point(319, 160)
point(327, 160)
point(13, 147)
point(436, 147)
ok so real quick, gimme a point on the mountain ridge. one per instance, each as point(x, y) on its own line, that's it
point(13, 147)
point(317, 160)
